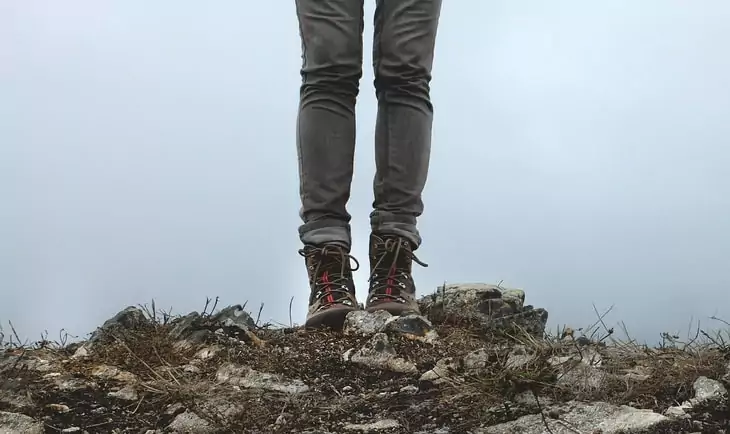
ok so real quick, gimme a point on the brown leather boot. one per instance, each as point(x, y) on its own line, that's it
point(332, 289)
point(391, 283)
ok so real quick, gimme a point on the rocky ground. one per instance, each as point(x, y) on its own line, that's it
point(478, 361)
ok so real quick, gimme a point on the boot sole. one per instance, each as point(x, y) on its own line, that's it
point(333, 318)
point(394, 308)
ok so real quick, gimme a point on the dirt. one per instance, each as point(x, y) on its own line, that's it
point(340, 392)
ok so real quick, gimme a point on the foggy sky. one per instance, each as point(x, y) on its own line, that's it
point(580, 152)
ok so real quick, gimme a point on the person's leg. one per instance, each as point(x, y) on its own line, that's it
point(331, 36)
point(403, 52)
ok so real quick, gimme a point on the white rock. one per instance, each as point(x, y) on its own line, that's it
point(707, 389)
point(361, 322)
point(16, 423)
point(189, 423)
point(582, 417)
point(107, 372)
point(246, 377)
point(126, 393)
point(379, 354)
point(207, 353)
point(81, 353)
point(374, 426)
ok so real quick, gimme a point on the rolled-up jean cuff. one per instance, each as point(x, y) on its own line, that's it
point(405, 230)
point(327, 231)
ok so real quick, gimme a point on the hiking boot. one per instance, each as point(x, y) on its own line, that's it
point(391, 283)
point(332, 287)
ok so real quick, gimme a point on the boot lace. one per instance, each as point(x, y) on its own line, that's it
point(330, 274)
point(388, 280)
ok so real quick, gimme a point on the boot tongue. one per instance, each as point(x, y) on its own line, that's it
point(386, 250)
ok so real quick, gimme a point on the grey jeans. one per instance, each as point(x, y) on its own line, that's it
point(403, 51)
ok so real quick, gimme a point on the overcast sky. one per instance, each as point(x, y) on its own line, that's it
point(580, 152)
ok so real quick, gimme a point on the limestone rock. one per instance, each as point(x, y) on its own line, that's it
point(106, 372)
point(493, 307)
point(126, 393)
point(194, 329)
point(380, 425)
point(581, 370)
point(234, 316)
point(16, 423)
point(189, 423)
point(708, 394)
point(246, 377)
point(596, 417)
point(129, 318)
point(366, 323)
point(411, 326)
point(708, 390)
point(378, 353)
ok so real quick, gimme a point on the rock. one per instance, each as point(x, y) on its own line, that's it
point(234, 316)
point(71, 384)
point(514, 297)
point(191, 368)
point(16, 423)
point(581, 370)
point(708, 390)
point(434, 430)
point(59, 408)
point(207, 353)
point(81, 353)
point(380, 425)
point(194, 329)
point(677, 412)
point(447, 368)
point(530, 320)
point(246, 377)
point(709, 394)
point(583, 377)
point(39, 362)
point(411, 326)
point(410, 389)
point(476, 359)
point(130, 318)
point(379, 354)
point(184, 326)
point(362, 322)
point(441, 372)
point(13, 394)
point(492, 307)
point(596, 417)
point(106, 372)
point(189, 423)
point(126, 393)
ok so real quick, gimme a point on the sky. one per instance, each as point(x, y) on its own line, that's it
point(580, 152)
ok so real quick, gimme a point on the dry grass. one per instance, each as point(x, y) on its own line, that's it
point(341, 391)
